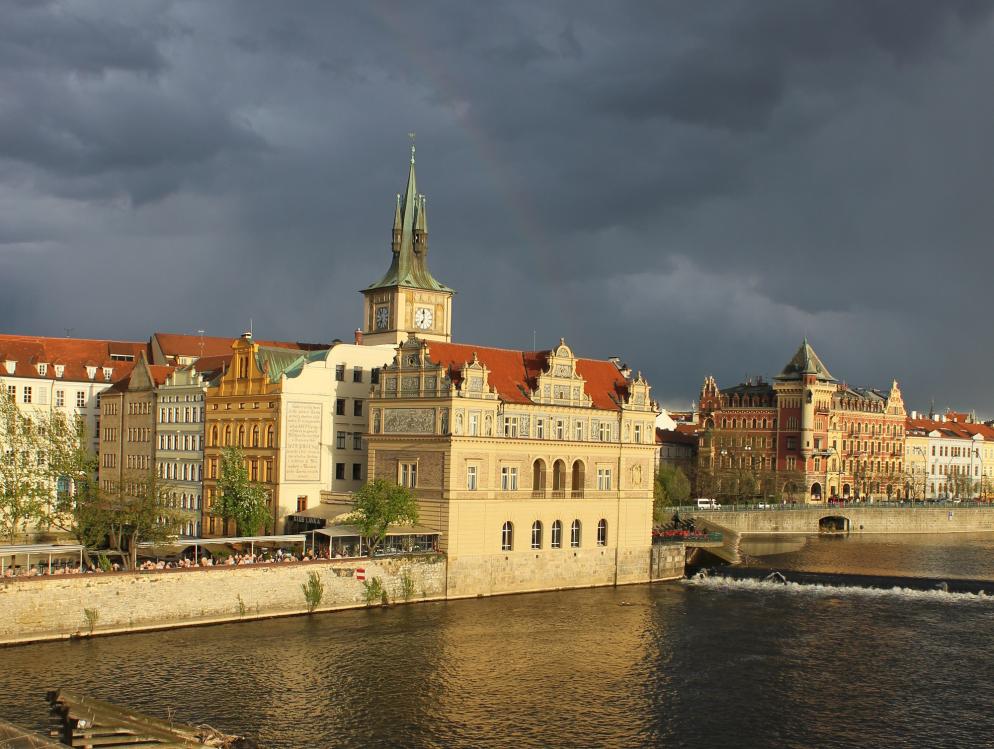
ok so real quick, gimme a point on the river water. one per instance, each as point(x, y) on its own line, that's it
point(708, 663)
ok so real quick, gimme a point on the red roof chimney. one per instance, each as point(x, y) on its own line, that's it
point(358, 336)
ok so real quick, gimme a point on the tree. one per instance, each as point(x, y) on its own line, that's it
point(378, 505)
point(72, 468)
point(136, 511)
point(238, 499)
point(25, 483)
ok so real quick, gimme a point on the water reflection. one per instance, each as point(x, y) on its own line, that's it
point(641, 666)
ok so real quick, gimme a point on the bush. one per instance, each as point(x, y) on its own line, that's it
point(406, 586)
point(313, 591)
point(91, 616)
point(374, 591)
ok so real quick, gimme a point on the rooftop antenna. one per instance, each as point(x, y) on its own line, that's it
point(201, 332)
point(69, 332)
point(534, 340)
point(251, 329)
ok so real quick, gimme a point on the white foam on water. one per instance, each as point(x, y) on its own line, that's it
point(717, 582)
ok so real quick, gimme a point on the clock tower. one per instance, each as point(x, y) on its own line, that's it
point(408, 299)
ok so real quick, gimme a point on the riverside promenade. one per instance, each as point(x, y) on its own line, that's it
point(853, 517)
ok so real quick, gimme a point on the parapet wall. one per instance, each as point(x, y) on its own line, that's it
point(55, 607)
point(869, 519)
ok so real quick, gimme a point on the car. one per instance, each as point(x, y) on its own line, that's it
point(764, 506)
point(707, 504)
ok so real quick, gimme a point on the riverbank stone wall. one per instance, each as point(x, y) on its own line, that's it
point(56, 607)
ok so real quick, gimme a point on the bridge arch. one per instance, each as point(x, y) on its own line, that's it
point(833, 524)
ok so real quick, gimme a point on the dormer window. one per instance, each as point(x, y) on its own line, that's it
point(91, 372)
point(42, 369)
point(10, 365)
point(108, 371)
point(59, 370)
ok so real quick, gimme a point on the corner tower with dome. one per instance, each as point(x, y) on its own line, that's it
point(805, 437)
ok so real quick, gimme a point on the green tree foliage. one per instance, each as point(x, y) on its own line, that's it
point(134, 512)
point(313, 591)
point(379, 504)
point(28, 468)
point(239, 499)
point(73, 465)
point(672, 488)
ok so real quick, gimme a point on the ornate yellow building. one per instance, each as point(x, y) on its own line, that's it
point(535, 466)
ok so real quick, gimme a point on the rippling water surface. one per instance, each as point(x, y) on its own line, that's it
point(672, 665)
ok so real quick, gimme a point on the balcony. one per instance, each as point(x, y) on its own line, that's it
point(538, 493)
point(576, 494)
point(559, 494)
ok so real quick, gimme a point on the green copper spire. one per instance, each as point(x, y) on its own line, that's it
point(409, 244)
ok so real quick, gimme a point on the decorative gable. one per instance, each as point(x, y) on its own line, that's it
point(638, 395)
point(560, 383)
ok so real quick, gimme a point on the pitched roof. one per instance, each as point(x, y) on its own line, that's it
point(805, 362)
point(676, 437)
point(174, 345)
point(514, 374)
point(73, 354)
point(949, 429)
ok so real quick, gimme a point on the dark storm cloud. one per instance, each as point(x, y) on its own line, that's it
point(692, 186)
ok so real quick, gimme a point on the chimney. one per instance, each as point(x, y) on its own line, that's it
point(358, 336)
point(914, 414)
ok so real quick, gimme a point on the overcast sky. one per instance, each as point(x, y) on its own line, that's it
point(693, 186)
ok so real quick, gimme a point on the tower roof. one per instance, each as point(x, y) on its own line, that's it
point(409, 266)
point(805, 362)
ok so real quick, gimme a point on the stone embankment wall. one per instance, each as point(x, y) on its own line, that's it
point(667, 561)
point(55, 607)
point(870, 519)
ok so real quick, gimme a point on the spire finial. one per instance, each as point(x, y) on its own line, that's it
point(411, 136)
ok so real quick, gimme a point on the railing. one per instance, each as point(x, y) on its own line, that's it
point(559, 494)
point(538, 493)
point(576, 494)
point(673, 535)
point(879, 504)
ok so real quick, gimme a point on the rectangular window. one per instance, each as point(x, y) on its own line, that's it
point(340, 440)
point(578, 431)
point(540, 428)
point(27, 394)
point(340, 471)
point(12, 391)
point(80, 399)
point(357, 471)
point(357, 407)
point(605, 432)
point(339, 407)
point(471, 478)
point(560, 429)
point(356, 374)
point(474, 424)
point(340, 373)
point(374, 375)
point(357, 440)
point(510, 426)
point(508, 479)
point(638, 433)
point(791, 443)
point(604, 479)
point(408, 475)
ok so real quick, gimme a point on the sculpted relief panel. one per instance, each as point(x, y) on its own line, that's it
point(302, 448)
point(409, 420)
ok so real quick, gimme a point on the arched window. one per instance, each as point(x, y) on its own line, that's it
point(574, 534)
point(507, 536)
point(602, 532)
point(537, 534)
point(559, 477)
point(227, 436)
point(538, 477)
point(557, 535)
point(241, 435)
point(255, 436)
point(214, 435)
point(270, 436)
point(579, 478)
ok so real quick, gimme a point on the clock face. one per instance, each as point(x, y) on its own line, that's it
point(423, 318)
point(382, 318)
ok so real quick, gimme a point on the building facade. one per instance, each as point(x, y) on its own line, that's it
point(126, 457)
point(179, 438)
point(804, 437)
point(535, 466)
point(952, 457)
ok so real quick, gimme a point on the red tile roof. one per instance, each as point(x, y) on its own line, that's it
point(951, 429)
point(75, 354)
point(182, 344)
point(513, 374)
point(676, 437)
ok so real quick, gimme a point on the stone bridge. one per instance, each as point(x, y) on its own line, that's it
point(868, 518)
